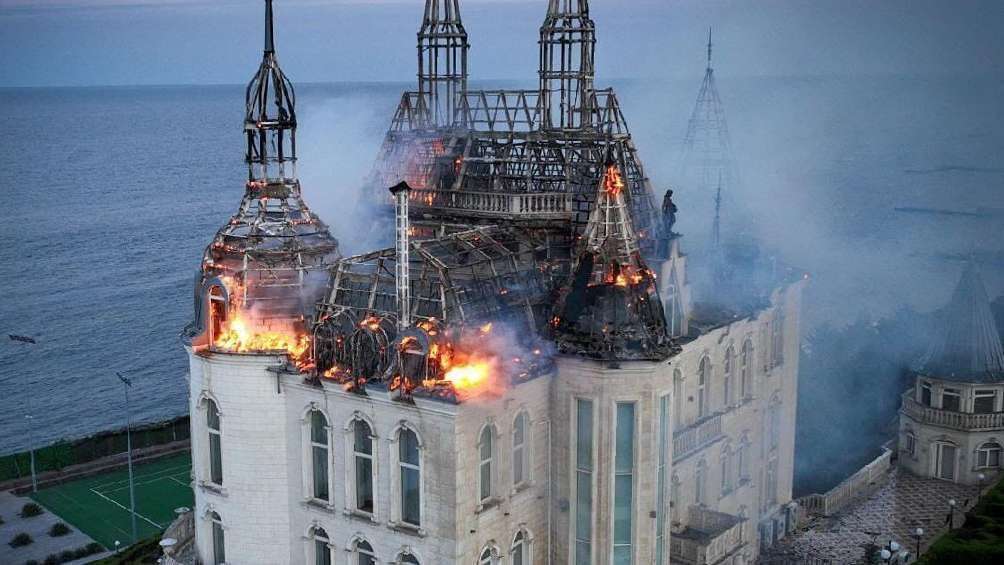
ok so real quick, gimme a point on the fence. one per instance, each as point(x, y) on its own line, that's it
point(56, 456)
point(852, 487)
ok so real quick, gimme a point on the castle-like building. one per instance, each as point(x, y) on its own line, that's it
point(522, 378)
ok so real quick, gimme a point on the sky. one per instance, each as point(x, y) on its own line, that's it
point(142, 42)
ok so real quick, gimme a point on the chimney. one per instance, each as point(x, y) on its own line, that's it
point(402, 275)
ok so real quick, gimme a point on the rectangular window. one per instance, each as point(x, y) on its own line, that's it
point(911, 444)
point(951, 400)
point(320, 472)
point(219, 544)
point(623, 482)
point(408, 456)
point(363, 448)
point(660, 507)
point(583, 482)
point(985, 401)
point(925, 394)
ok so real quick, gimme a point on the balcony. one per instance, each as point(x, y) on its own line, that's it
point(545, 206)
point(948, 419)
point(696, 436)
point(710, 538)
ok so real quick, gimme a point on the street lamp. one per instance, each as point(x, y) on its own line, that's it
point(28, 417)
point(126, 385)
point(917, 534)
point(951, 513)
point(886, 555)
point(981, 477)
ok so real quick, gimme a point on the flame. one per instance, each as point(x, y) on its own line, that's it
point(486, 329)
point(237, 336)
point(471, 376)
point(613, 183)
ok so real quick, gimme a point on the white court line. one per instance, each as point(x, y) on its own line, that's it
point(180, 482)
point(168, 471)
point(155, 524)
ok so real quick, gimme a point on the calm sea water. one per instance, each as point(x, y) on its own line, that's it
point(112, 193)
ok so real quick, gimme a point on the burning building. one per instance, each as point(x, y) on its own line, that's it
point(515, 378)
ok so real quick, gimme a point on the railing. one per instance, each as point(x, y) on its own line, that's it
point(852, 487)
point(696, 436)
point(949, 419)
point(708, 538)
point(544, 205)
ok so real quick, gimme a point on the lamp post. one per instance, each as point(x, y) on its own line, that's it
point(126, 385)
point(981, 477)
point(886, 555)
point(28, 416)
point(917, 534)
point(951, 513)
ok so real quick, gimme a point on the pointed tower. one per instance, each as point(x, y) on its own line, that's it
point(442, 61)
point(707, 158)
point(263, 262)
point(611, 308)
point(567, 48)
point(969, 345)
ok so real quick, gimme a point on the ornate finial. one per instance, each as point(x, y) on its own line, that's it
point(269, 34)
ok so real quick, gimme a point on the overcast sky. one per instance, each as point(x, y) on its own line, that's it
point(127, 42)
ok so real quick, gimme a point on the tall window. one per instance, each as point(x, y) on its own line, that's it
point(989, 455)
point(726, 470)
point(727, 382)
point(746, 369)
point(742, 458)
point(925, 394)
point(321, 546)
point(520, 459)
point(364, 553)
point(362, 451)
point(520, 549)
point(677, 399)
point(703, 378)
point(485, 465)
point(951, 399)
point(410, 477)
point(701, 482)
point(319, 455)
point(944, 463)
point(660, 504)
point(911, 444)
point(985, 401)
point(219, 543)
point(674, 498)
point(583, 482)
point(777, 337)
point(215, 453)
point(775, 423)
point(623, 482)
point(771, 478)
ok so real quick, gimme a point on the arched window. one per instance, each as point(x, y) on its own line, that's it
point(406, 558)
point(989, 455)
point(363, 553)
point(489, 556)
point(321, 546)
point(486, 457)
point(746, 369)
point(742, 458)
point(701, 482)
point(703, 379)
point(319, 456)
point(520, 549)
point(217, 312)
point(409, 461)
point(727, 388)
point(677, 399)
point(726, 470)
point(215, 449)
point(219, 542)
point(674, 499)
point(362, 453)
point(520, 450)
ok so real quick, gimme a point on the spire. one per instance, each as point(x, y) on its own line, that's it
point(709, 49)
point(269, 29)
point(969, 346)
point(716, 230)
point(442, 61)
point(611, 308)
point(567, 50)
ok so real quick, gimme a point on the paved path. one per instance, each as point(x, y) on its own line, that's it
point(894, 512)
point(37, 528)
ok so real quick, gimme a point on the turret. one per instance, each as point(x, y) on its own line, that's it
point(567, 47)
point(442, 61)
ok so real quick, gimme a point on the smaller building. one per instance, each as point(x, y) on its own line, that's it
point(952, 420)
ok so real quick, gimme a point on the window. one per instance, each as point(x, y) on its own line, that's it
point(520, 549)
point(583, 482)
point(771, 477)
point(489, 556)
point(746, 369)
point(410, 477)
point(951, 399)
point(407, 559)
point(660, 505)
point(520, 455)
point(217, 312)
point(944, 462)
point(321, 547)
point(985, 401)
point(925, 394)
point(911, 444)
point(486, 455)
point(704, 376)
point(726, 470)
point(777, 337)
point(362, 452)
point(989, 455)
point(219, 542)
point(775, 423)
point(677, 398)
point(700, 482)
point(674, 498)
point(623, 482)
point(727, 382)
point(363, 553)
point(215, 453)
point(319, 456)
point(742, 458)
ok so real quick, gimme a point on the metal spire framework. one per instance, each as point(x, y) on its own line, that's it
point(442, 62)
point(707, 148)
point(567, 49)
point(274, 241)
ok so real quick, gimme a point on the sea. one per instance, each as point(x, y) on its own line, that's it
point(874, 186)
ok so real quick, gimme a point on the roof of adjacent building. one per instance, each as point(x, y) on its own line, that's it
point(969, 346)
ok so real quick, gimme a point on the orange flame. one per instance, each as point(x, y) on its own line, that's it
point(239, 337)
point(613, 183)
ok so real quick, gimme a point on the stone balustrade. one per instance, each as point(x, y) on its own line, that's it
point(546, 205)
point(694, 437)
point(948, 419)
point(709, 537)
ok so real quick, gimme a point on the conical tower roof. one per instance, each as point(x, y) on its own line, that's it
point(611, 309)
point(969, 345)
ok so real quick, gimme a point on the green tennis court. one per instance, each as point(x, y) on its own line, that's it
point(99, 506)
